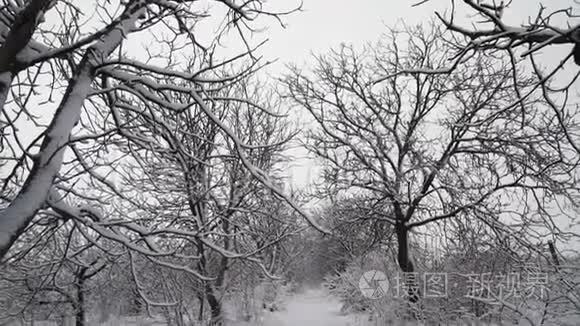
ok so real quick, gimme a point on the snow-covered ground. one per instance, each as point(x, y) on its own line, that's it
point(311, 308)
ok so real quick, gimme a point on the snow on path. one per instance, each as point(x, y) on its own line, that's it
point(312, 308)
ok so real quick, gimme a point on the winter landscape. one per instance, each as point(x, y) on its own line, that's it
point(289, 163)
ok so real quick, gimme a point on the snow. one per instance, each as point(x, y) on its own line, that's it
point(311, 308)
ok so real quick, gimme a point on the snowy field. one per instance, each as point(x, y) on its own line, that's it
point(313, 307)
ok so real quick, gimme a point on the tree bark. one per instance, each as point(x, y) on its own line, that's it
point(201, 307)
point(214, 303)
point(17, 38)
point(5, 82)
point(212, 299)
point(554, 255)
point(405, 263)
point(215, 306)
point(80, 309)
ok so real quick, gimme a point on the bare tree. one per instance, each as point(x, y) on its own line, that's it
point(179, 192)
point(491, 32)
point(552, 29)
point(166, 151)
point(424, 149)
point(84, 63)
point(195, 191)
point(17, 25)
point(53, 271)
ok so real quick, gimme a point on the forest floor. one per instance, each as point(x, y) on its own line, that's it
point(312, 307)
point(309, 307)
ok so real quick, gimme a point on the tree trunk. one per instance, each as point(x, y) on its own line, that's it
point(16, 40)
point(215, 306)
point(405, 263)
point(214, 303)
point(201, 306)
point(5, 82)
point(554, 255)
point(80, 308)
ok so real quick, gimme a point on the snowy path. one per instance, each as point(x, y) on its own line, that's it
point(311, 308)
